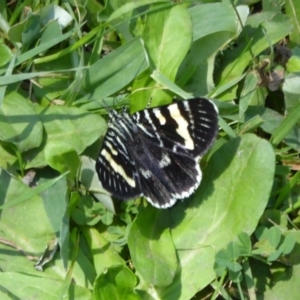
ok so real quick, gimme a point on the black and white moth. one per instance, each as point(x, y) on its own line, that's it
point(155, 152)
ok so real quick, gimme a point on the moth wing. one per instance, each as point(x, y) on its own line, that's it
point(188, 127)
point(117, 169)
point(166, 176)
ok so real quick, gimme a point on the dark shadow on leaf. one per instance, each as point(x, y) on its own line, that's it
point(4, 184)
point(152, 222)
point(216, 166)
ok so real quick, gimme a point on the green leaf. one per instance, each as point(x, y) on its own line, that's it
point(27, 194)
point(234, 266)
point(286, 126)
point(210, 35)
point(291, 91)
point(117, 70)
point(19, 123)
point(62, 157)
point(248, 92)
point(66, 125)
point(167, 36)
point(5, 54)
point(55, 204)
point(236, 276)
point(42, 48)
point(151, 247)
point(285, 288)
point(107, 218)
point(274, 236)
point(224, 205)
point(89, 178)
point(293, 256)
point(288, 244)
point(104, 255)
point(116, 283)
point(130, 6)
point(273, 121)
point(271, 24)
point(31, 30)
point(222, 260)
point(292, 8)
point(53, 12)
point(233, 251)
point(274, 255)
point(25, 223)
point(293, 64)
point(244, 244)
point(36, 286)
point(7, 157)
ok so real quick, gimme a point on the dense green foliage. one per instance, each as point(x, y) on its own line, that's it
point(63, 64)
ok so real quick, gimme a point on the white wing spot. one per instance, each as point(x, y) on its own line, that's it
point(162, 120)
point(153, 127)
point(165, 161)
point(182, 129)
point(111, 148)
point(117, 168)
point(146, 173)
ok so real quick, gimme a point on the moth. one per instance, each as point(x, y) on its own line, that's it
point(155, 152)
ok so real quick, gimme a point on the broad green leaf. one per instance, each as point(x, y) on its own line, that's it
point(54, 12)
point(151, 247)
point(165, 82)
point(50, 32)
point(24, 224)
point(111, 73)
point(235, 276)
point(291, 91)
point(7, 158)
point(51, 87)
point(167, 36)
point(285, 288)
point(22, 286)
point(41, 48)
point(5, 54)
point(288, 244)
point(221, 261)
point(274, 121)
point(104, 255)
point(224, 205)
point(233, 250)
point(272, 5)
point(290, 125)
point(293, 64)
point(293, 257)
point(171, 41)
point(15, 31)
point(221, 18)
point(62, 157)
point(55, 204)
point(66, 125)
point(19, 123)
point(292, 9)
point(83, 270)
point(130, 6)
point(116, 283)
point(274, 236)
point(248, 92)
point(89, 178)
point(31, 31)
point(209, 36)
point(244, 244)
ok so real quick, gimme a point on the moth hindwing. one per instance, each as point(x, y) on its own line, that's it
point(155, 152)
